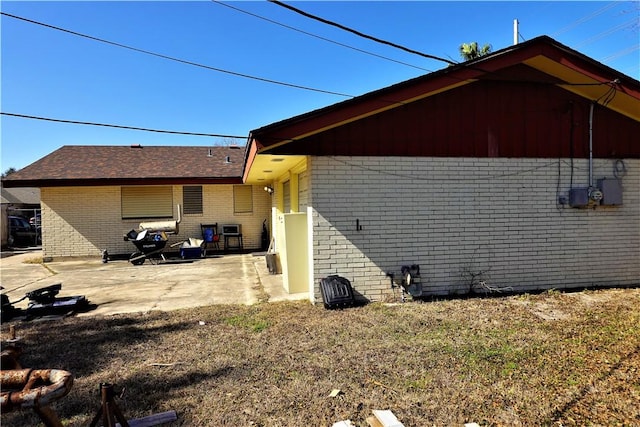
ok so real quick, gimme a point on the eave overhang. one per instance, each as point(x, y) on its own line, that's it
point(263, 169)
point(101, 182)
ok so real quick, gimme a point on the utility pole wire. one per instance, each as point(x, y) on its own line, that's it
point(319, 37)
point(624, 25)
point(75, 122)
point(620, 53)
point(170, 58)
point(358, 33)
point(584, 19)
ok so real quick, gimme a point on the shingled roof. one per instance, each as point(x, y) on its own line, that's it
point(90, 165)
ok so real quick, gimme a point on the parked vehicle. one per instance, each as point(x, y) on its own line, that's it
point(23, 233)
point(35, 221)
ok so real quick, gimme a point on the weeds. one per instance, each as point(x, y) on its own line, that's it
point(250, 321)
point(499, 361)
point(39, 260)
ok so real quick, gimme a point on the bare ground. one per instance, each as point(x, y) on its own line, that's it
point(553, 359)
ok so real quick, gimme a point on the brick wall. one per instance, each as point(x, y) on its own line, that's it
point(457, 216)
point(82, 221)
point(218, 207)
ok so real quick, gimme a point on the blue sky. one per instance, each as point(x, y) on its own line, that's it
point(54, 74)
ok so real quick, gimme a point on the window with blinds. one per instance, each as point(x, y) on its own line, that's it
point(242, 199)
point(146, 202)
point(192, 199)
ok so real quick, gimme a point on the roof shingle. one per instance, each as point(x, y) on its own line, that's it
point(117, 165)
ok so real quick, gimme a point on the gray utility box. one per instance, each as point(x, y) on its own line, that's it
point(579, 197)
point(611, 191)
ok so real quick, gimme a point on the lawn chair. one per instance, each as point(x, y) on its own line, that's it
point(210, 236)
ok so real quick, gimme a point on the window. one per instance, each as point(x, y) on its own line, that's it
point(147, 202)
point(192, 199)
point(242, 199)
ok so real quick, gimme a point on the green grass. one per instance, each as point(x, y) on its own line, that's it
point(250, 321)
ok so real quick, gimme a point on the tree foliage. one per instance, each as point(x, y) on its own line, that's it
point(9, 172)
point(469, 51)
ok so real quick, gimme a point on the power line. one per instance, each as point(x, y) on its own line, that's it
point(387, 172)
point(585, 19)
point(184, 61)
point(627, 24)
point(170, 58)
point(358, 33)
point(319, 37)
point(220, 70)
point(621, 53)
point(75, 122)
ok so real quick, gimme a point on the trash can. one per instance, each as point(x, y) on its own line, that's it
point(272, 262)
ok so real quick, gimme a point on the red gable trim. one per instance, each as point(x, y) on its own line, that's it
point(299, 127)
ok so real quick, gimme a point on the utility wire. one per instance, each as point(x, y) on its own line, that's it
point(170, 58)
point(459, 178)
point(216, 69)
point(319, 37)
point(627, 24)
point(24, 116)
point(358, 33)
point(585, 19)
point(621, 53)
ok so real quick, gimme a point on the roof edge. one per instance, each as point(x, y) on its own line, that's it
point(101, 182)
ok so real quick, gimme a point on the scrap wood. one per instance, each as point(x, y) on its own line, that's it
point(383, 419)
point(166, 364)
point(109, 412)
point(153, 420)
point(378, 383)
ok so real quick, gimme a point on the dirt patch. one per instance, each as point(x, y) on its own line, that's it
point(495, 361)
point(554, 305)
point(544, 310)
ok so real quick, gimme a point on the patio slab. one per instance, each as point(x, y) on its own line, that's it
point(120, 287)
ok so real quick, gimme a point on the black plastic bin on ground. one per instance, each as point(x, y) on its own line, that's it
point(337, 292)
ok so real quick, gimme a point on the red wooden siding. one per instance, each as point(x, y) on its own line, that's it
point(488, 118)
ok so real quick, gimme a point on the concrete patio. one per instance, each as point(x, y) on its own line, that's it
point(120, 287)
